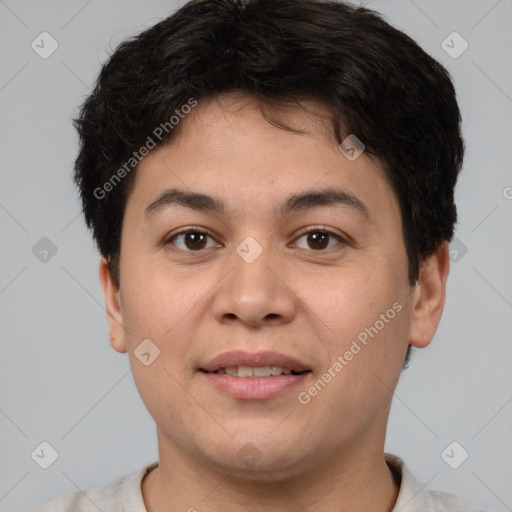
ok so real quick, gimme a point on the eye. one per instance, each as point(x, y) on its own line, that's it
point(192, 240)
point(319, 239)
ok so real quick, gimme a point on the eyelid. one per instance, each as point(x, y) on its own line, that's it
point(325, 229)
point(186, 229)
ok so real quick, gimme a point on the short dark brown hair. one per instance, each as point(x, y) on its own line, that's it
point(377, 82)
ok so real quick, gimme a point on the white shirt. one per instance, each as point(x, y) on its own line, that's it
point(125, 495)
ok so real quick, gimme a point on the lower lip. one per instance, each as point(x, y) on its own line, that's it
point(256, 388)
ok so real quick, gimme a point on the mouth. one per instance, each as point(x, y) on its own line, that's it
point(261, 364)
point(249, 372)
point(260, 376)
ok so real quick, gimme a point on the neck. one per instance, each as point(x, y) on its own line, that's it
point(355, 479)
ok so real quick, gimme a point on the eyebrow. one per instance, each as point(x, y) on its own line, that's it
point(295, 203)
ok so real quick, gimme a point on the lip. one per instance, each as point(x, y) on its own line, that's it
point(254, 388)
point(241, 358)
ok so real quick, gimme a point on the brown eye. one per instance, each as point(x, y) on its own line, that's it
point(319, 240)
point(189, 240)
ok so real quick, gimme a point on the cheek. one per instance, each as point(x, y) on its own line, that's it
point(350, 299)
point(366, 312)
point(165, 309)
point(169, 307)
point(365, 360)
point(155, 298)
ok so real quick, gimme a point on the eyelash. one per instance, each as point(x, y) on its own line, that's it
point(314, 229)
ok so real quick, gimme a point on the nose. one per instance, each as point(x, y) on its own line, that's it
point(256, 293)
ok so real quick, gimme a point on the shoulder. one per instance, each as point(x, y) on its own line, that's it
point(445, 502)
point(121, 495)
point(415, 497)
point(107, 498)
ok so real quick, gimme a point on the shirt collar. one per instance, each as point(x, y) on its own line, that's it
point(412, 496)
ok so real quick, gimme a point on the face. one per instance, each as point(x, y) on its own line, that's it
point(291, 261)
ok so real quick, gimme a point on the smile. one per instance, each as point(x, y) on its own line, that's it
point(245, 372)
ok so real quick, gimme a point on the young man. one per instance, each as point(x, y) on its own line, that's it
point(271, 186)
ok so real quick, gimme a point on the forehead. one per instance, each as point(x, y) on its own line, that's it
point(232, 110)
point(227, 144)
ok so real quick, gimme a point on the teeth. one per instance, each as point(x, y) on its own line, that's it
point(276, 370)
point(263, 371)
point(260, 371)
point(245, 371)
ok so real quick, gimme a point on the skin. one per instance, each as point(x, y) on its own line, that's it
point(194, 304)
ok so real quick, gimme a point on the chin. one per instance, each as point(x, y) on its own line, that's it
point(259, 458)
point(265, 470)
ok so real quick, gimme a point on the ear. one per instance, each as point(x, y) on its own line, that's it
point(429, 296)
point(113, 306)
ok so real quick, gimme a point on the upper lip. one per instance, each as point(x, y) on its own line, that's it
point(259, 359)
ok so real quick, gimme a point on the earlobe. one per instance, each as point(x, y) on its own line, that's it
point(113, 307)
point(429, 297)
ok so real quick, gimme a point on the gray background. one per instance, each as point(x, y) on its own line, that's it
point(61, 382)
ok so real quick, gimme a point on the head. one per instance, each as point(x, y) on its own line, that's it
point(226, 118)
